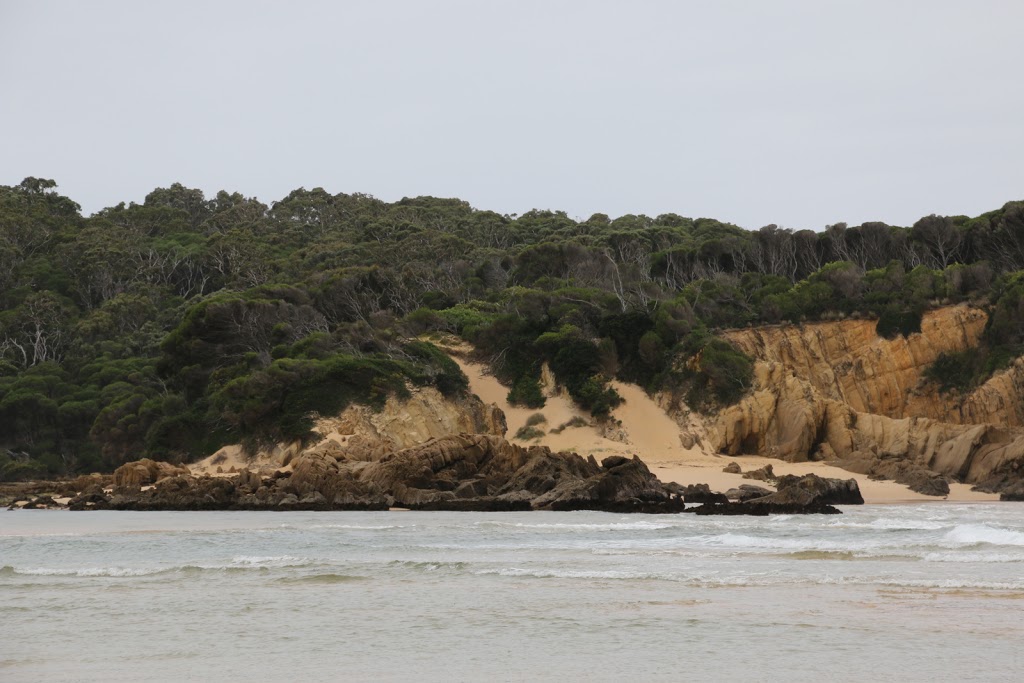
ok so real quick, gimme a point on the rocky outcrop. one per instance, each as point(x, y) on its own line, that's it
point(134, 475)
point(364, 433)
point(787, 417)
point(809, 494)
point(745, 492)
point(847, 361)
point(812, 490)
point(459, 472)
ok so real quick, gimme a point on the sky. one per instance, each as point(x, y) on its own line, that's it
point(798, 113)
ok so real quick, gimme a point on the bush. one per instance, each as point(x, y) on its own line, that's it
point(574, 422)
point(527, 433)
point(953, 371)
point(536, 419)
point(526, 392)
point(894, 322)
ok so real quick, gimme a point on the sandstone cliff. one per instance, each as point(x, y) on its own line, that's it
point(362, 433)
point(838, 392)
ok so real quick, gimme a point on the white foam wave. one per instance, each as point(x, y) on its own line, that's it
point(87, 571)
point(972, 557)
point(613, 526)
point(889, 524)
point(361, 527)
point(274, 561)
point(753, 579)
point(973, 534)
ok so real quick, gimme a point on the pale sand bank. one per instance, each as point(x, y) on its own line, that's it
point(654, 436)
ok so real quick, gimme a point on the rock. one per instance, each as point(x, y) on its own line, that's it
point(702, 493)
point(836, 391)
point(315, 499)
point(89, 501)
point(1014, 493)
point(474, 488)
point(765, 509)
point(248, 480)
point(812, 490)
point(732, 468)
point(765, 473)
point(40, 503)
point(135, 475)
point(614, 461)
point(747, 492)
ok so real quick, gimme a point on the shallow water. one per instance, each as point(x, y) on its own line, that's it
point(906, 592)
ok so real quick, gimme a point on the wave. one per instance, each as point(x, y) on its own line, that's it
point(611, 526)
point(888, 524)
point(271, 562)
point(118, 572)
point(325, 578)
point(974, 534)
point(822, 555)
point(361, 527)
point(751, 580)
point(962, 556)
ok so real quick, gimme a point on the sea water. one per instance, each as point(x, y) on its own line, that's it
point(882, 593)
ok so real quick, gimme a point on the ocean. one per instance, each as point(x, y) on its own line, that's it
point(931, 592)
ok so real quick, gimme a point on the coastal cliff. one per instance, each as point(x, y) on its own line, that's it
point(838, 392)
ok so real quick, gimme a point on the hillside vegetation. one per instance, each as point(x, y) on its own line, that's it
point(171, 327)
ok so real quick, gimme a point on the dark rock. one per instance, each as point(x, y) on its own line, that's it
point(733, 468)
point(811, 490)
point(40, 503)
point(766, 473)
point(702, 493)
point(747, 492)
point(1013, 493)
point(614, 461)
point(89, 501)
point(474, 488)
point(764, 509)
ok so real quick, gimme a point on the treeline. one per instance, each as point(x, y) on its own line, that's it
point(170, 327)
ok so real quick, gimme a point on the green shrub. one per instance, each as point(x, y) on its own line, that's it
point(527, 433)
point(895, 321)
point(536, 419)
point(526, 392)
point(954, 371)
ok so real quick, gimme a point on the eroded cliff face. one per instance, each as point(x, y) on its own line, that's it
point(406, 422)
point(361, 433)
point(838, 392)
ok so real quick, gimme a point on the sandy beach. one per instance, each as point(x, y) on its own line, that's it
point(654, 436)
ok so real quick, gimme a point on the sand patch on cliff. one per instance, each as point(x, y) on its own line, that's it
point(231, 459)
point(655, 437)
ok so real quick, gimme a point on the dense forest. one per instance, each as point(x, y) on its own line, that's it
point(171, 327)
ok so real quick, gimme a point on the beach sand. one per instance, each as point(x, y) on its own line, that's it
point(654, 436)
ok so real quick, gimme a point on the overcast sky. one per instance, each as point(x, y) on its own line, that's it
point(799, 113)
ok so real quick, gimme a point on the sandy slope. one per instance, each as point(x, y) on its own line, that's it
point(654, 436)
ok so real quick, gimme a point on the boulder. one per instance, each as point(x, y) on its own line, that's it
point(614, 461)
point(732, 468)
point(765, 473)
point(702, 493)
point(139, 473)
point(747, 492)
point(811, 490)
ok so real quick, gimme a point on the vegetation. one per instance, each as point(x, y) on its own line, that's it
point(171, 327)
